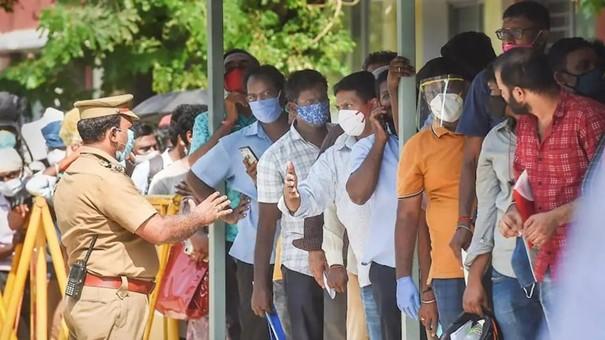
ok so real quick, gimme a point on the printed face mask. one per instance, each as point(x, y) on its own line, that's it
point(352, 122)
point(266, 110)
point(314, 114)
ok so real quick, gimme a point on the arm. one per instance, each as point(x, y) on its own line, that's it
point(462, 237)
point(406, 233)
point(171, 229)
point(475, 299)
point(362, 182)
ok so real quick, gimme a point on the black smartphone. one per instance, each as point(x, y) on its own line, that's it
point(248, 154)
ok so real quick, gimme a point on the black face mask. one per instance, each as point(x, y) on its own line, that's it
point(591, 84)
point(496, 107)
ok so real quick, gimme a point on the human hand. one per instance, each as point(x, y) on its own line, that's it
point(338, 278)
point(211, 209)
point(461, 240)
point(377, 118)
point(291, 195)
point(251, 169)
point(511, 223)
point(474, 300)
point(399, 67)
point(429, 315)
point(17, 217)
point(262, 299)
point(231, 102)
point(318, 265)
point(239, 212)
point(408, 299)
point(539, 228)
point(200, 246)
point(18, 237)
point(183, 189)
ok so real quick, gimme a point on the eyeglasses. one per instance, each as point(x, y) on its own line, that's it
point(507, 34)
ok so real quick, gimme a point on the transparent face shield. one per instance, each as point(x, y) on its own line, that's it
point(440, 101)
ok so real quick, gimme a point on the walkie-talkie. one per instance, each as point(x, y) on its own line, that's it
point(77, 273)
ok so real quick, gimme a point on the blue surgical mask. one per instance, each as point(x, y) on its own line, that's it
point(123, 154)
point(314, 114)
point(592, 84)
point(7, 139)
point(266, 110)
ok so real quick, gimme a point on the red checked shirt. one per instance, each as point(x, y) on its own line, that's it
point(557, 164)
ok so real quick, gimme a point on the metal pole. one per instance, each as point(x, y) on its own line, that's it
point(214, 11)
point(406, 45)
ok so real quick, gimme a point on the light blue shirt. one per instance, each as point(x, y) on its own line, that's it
point(380, 234)
point(225, 163)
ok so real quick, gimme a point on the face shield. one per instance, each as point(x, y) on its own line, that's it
point(440, 100)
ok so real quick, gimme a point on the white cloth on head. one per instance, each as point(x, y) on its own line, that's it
point(11, 161)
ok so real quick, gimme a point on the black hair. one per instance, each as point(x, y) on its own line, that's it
point(490, 75)
point(469, 52)
point(530, 10)
point(557, 55)
point(379, 57)
point(142, 129)
point(363, 83)
point(93, 130)
point(238, 50)
point(269, 74)
point(300, 81)
point(437, 67)
point(526, 68)
point(599, 47)
point(182, 120)
point(382, 77)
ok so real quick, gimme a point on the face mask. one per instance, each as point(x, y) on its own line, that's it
point(121, 155)
point(496, 106)
point(591, 84)
point(447, 108)
point(266, 110)
point(314, 114)
point(55, 156)
point(352, 122)
point(7, 139)
point(234, 80)
point(11, 187)
point(138, 159)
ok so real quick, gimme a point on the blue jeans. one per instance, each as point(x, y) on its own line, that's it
point(371, 310)
point(547, 294)
point(448, 293)
point(519, 317)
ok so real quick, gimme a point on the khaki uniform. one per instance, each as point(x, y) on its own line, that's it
point(96, 197)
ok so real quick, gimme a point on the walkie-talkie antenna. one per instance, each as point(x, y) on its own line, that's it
point(92, 245)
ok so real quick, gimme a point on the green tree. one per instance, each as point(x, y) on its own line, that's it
point(163, 43)
point(593, 7)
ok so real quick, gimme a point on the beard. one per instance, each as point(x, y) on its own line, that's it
point(518, 108)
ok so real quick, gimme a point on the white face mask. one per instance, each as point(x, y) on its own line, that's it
point(138, 159)
point(352, 122)
point(447, 107)
point(11, 187)
point(55, 156)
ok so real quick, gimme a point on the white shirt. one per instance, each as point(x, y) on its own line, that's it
point(140, 175)
point(326, 184)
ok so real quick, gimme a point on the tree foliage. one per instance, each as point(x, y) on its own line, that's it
point(593, 7)
point(166, 40)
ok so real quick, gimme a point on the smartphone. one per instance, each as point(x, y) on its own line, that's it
point(248, 154)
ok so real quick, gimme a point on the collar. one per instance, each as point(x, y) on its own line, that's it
point(98, 152)
point(561, 109)
point(255, 129)
point(345, 141)
point(294, 133)
point(439, 131)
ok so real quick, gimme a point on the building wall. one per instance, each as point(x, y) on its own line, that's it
point(24, 16)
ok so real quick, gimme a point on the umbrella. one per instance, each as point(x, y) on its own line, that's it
point(167, 102)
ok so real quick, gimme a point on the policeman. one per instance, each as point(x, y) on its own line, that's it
point(95, 197)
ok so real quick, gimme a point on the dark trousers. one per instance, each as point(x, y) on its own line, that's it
point(305, 304)
point(232, 299)
point(384, 286)
point(253, 326)
point(335, 312)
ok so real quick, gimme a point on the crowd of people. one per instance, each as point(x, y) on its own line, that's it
point(323, 218)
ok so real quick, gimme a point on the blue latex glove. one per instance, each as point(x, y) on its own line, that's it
point(408, 299)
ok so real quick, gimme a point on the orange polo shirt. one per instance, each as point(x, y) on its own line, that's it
point(430, 162)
